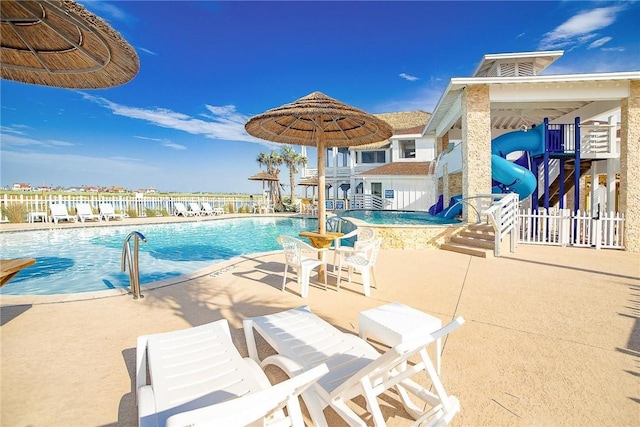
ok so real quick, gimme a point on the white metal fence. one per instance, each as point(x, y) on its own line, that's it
point(138, 204)
point(561, 227)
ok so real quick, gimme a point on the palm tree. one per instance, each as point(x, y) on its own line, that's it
point(272, 161)
point(292, 159)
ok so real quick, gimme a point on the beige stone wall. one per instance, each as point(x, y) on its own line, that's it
point(630, 167)
point(455, 184)
point(476, 143)
point(411, 236)
point(442, 144)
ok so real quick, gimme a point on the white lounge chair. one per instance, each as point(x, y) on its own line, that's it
point(303, 258)
point(181, 210)
point(198, 377)
point(207, 209)
point(303, 341)
point(194, 209)
point(107, 212)
point(84, 212)
point(363, 260)
point(59, 212)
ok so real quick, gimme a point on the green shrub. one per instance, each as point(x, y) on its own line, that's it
point(15, 212)
point(244, 209)
point(132, 213)
point(150, 212)
point(228, 208)
point(164, 212)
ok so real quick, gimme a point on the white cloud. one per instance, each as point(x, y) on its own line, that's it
point(173, 145)
point(147, 51)
point(409, 77)
point(601, 41)
point(424, 99)
point(9, 140)
point(580, 28)
point(224, 122)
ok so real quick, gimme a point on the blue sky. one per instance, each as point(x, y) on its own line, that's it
point(207, 67)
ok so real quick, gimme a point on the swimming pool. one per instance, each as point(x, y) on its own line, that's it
point(396, 217)
point(78, 260)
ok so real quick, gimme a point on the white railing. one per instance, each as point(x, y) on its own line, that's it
point(368, 201)
point(599, 139)
point(561, 227)
point(503, 216)
point(140, 204)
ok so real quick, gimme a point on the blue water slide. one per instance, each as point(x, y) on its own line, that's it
point(511, 175)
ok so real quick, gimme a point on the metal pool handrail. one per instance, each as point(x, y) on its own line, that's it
point(127, 257)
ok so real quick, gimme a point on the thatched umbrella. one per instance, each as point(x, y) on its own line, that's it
point(319, 121)
point(311, 181)
point(264, 176)
point(60, 43)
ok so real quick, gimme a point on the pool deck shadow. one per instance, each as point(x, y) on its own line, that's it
point(551, 335)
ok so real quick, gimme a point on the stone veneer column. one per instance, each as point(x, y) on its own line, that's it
point(442, 143)
point(476, 145)
point(630, 167)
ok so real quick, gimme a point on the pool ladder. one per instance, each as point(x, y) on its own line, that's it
point(132, 259)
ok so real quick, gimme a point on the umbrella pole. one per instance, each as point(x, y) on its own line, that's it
point(322, 213)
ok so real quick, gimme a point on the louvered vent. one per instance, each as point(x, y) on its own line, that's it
point(508, 70)
point(525, 69)
point(493, 71)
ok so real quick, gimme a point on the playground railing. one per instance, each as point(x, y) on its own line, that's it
point(561, 227)
point(502, 214)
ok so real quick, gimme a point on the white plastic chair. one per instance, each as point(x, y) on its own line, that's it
point(198, 377)
point(107, 212)
point(303, 258)
point(363, 260)
point(304, 340)
point(363, 236)
point(59, 212)
point(84, 212)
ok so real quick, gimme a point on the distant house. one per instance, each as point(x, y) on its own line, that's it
point(43, 188)
point(398, 171)
point(21, 186)
point(91, 189)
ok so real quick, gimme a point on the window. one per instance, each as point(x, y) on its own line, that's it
point(373, 156)
point(407, 148)
point(343, 157)
point(376, 189)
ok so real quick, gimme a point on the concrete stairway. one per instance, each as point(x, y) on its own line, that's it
point(476, 240)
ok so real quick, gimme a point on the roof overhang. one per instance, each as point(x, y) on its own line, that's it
point(529, 99)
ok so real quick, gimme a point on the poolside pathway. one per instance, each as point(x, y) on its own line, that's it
point(552, 335)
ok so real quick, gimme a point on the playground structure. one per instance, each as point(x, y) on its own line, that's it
point(551, 160)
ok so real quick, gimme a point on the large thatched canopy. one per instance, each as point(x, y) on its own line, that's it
point(319, 121)
point(302, 122)
point(60, 43)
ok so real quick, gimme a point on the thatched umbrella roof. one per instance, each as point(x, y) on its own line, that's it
point(60, 43)
point(263, 176)
point(319, 121)
point(311, 182)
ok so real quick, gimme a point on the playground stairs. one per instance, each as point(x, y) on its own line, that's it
point(554, 188)
point(475, 240)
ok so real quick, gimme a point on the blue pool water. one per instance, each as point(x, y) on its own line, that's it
point(79, 260)
point(396, 217)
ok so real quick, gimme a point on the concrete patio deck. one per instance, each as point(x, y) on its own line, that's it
point(551, 337)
